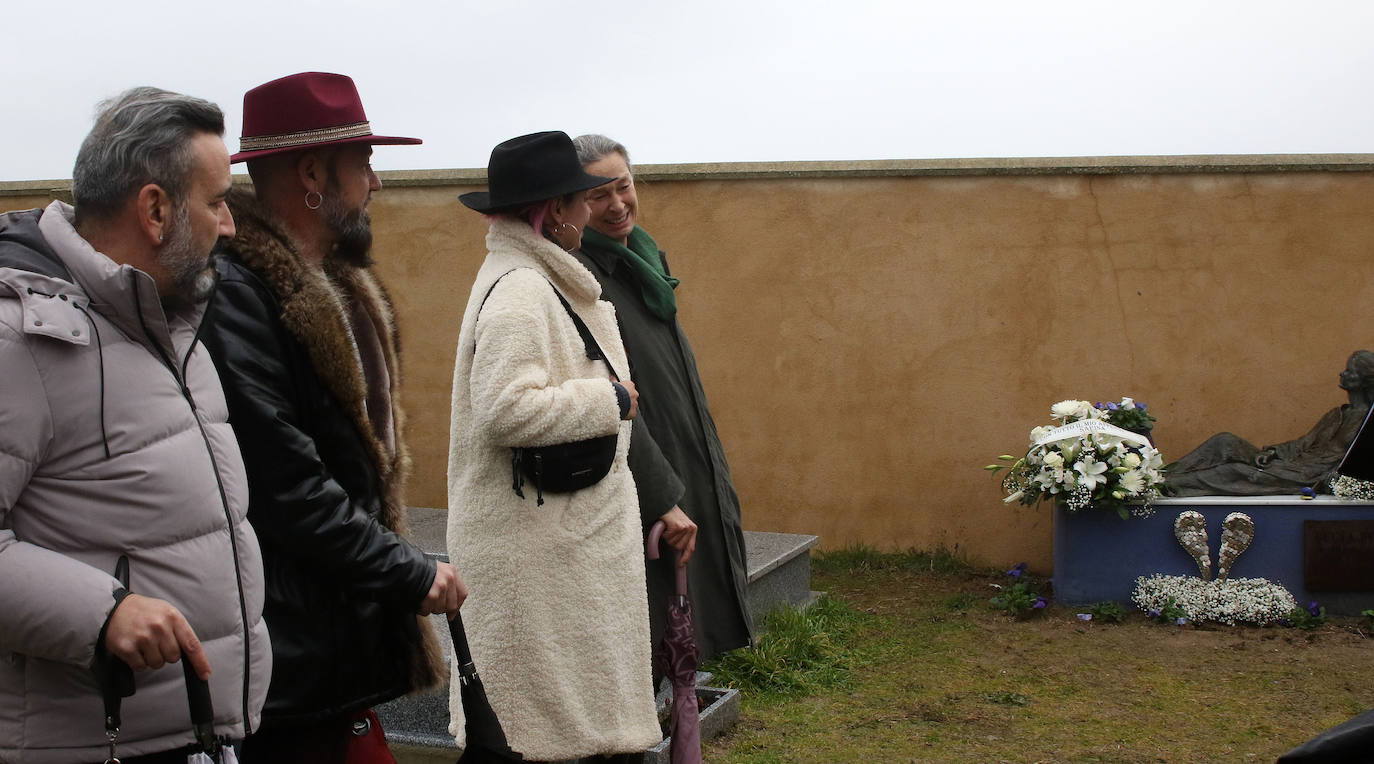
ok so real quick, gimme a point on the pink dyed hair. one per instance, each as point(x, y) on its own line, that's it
point(533, 214)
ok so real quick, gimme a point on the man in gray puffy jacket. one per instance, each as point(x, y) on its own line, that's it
point(115, 452)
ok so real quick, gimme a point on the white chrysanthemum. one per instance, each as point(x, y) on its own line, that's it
point(1132, 481)
point(1071, 409)
point(1131, 460)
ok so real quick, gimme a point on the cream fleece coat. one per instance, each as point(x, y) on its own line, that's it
point(557, 614)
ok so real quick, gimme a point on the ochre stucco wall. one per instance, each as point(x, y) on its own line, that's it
point(869, 343)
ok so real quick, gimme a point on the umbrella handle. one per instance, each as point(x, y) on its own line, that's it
point(461, 652)
point(651, 551)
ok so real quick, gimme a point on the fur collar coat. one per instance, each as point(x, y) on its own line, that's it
point(310, 362)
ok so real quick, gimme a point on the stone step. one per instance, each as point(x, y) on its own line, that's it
point(779, 571)
point(779, 566)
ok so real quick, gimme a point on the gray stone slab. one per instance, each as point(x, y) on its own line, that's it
point(769, 551)
point(787, 584)
point(418, 721)
point(720, 714)
point(427, 529)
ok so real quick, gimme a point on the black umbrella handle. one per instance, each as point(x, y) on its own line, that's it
point(461, 651)
point(202, 710)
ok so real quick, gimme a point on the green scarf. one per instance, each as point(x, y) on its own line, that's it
point(644, 259)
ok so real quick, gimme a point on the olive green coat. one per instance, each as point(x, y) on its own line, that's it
point(677, 458)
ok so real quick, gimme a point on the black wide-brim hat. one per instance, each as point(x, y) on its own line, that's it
point(530, 169)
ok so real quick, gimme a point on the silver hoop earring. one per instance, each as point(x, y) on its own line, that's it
point(319, 199)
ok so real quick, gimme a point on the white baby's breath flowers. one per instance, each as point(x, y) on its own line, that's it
point(1229, 601)
point(1352, 488)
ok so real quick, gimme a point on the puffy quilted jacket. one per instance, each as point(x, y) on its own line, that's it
point(114, 441)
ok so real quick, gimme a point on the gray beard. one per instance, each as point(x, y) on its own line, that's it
point(192, 276)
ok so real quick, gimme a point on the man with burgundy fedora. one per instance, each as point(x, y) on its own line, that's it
point(305, 340)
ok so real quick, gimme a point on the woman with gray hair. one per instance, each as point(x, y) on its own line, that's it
point(676, 455)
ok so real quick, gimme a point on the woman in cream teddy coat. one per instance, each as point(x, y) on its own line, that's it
point(556, 613)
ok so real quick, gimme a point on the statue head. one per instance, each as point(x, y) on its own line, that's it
point(1359, 374)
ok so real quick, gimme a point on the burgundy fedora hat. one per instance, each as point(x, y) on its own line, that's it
point(304, 111)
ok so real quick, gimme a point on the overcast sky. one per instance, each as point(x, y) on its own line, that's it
point(726, 80)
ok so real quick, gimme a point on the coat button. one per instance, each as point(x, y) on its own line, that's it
point(36, 322)
point(76, 332)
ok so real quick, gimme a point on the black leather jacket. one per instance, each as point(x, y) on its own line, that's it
point(342, 587)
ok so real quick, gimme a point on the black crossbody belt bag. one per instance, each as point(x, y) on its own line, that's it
point(563, 467)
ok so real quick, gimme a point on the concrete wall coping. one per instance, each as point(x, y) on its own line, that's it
point(879, 168)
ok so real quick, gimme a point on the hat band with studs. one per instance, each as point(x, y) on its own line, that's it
point(304, 137)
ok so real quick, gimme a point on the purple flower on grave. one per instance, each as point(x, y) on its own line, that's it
point(1140, 405)
point(1181, 622)
point(1152, 613)
point(1112, 406)
point(1313, 609)
point(1085, 616)
point(1017, 571)
point(1308, 492)
point(1039, 603)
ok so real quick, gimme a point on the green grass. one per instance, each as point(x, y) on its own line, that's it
point(906, 660)
point(862, 558)
point(798, 651)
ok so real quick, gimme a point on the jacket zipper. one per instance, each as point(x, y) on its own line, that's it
point(219, 482)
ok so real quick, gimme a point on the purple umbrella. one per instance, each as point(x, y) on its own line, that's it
point(676, 656)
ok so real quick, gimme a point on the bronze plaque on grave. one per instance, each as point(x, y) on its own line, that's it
point(1338, 555)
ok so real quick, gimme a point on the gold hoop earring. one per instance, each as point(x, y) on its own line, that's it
point(319, 199)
